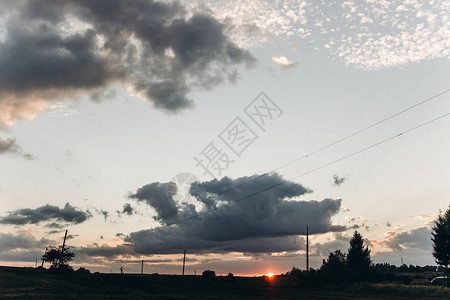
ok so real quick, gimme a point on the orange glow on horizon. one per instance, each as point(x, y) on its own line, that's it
point(270, 275)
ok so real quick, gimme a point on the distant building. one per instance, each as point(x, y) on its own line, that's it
point(420, 281)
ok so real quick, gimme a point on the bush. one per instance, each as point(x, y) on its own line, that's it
point(82, 270)
point(63, 268)
point(209, 274)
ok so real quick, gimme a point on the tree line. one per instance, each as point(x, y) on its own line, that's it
point(353, 266)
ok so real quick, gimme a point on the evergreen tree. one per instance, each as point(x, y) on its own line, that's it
point(358, 257)
point(440, 235)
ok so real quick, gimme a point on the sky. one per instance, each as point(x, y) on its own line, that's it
point(224, 128)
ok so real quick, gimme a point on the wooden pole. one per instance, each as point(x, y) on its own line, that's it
point(184, 261)
point(64, 243)
point(142, 267)
point(307, 249)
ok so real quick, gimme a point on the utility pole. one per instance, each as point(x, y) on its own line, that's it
point(35, 265)
point(307, 249)
point(64, 243)
point(184, 261)
point(142, 267)
point(62, 248)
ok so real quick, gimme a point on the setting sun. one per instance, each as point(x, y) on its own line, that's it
point(270, 274)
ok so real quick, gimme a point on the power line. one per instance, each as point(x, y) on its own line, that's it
point(339, 141)
point(317, 151)
point(289, 234)
point(308, 172)
point(327, 146)
point(312, 170)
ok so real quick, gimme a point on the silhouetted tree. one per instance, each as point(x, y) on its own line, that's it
point(440, 235)
point(336, 262)
point(294, 273)
point(334, 268)
point(403, 268)
point(58, 257)
point(358, 257)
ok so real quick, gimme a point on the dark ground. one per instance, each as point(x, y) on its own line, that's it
point(29, 283)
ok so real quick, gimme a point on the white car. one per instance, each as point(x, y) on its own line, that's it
point(440, 280)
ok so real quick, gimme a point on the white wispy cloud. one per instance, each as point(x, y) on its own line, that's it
point(60, 109)
point(283, 61)
point(369, 34)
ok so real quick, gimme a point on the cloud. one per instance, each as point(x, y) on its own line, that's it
point(127, 209)
point(48, 212)
point(338, 180)
point(339, 241)
point(9, 145)
point(284, 62)
point(160, 197)
point(157, 50)
point(71, 236)
point(54, 225)
point(267, 222)
point(419, 238)
point(10, 241)
point(364, 34)
point(105, 214)
point(125, 250)
point(21, 247)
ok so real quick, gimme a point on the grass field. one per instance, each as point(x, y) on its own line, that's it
point(29, 283)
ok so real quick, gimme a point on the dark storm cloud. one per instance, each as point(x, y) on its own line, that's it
point(71, 236)
point(9, 145)
point(54, 225)
point(21, 247)
point(105, 214)
point(158, 49)
point(419, 238)
point(9, 241)
point(106, 251)
point(338, 180)
point(253, 225)
point(44, 213)
point(159, 196)
point(338, 242)
point(127, 209)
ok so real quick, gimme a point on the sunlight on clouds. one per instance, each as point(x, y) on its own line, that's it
point(10, 111)
point(283, 61)
point(60, 109)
